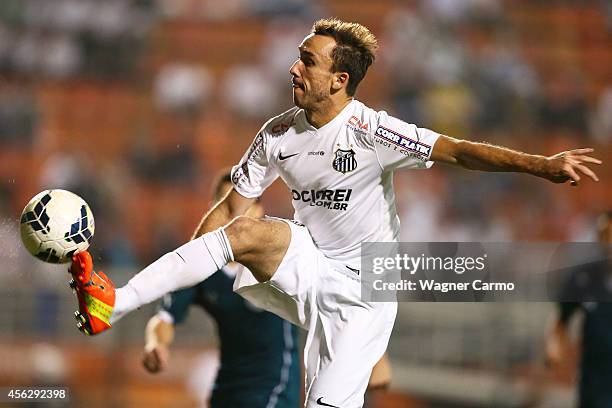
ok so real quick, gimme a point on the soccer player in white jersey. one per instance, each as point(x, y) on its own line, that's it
point(337, 156)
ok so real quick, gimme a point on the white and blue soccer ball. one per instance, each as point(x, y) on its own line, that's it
point(55, 225)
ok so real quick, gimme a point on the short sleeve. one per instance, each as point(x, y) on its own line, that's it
point(177, 303)
point(253, 174)
point(400, 144)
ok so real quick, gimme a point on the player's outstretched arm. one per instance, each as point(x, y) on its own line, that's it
point(562, 167)
point(158, 337)
point(230, 207)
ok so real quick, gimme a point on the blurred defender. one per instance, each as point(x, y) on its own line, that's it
point(260, 362)
point(595, 389)
point(337, 156)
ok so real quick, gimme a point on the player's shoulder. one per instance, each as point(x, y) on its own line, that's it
point(279, 124)
point(364, 121)
point(370, 119)
point(379, 124)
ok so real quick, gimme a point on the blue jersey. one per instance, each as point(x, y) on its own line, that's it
point(591, 283)
point(259, 358)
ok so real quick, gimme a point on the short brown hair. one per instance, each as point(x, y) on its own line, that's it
point(354, 50)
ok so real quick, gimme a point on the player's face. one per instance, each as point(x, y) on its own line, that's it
point(311, 74)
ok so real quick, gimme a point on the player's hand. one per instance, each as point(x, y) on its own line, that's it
point(155, 358)
point(554, 352)
point(558, 347)
point(570, 165)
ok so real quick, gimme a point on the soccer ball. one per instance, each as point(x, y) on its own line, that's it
point(55, 225)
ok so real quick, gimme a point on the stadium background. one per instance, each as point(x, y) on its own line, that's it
point(135, 105)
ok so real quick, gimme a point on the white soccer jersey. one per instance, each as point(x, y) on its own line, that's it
point(340, 175)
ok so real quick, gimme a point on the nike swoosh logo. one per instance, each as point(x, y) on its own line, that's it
point(352, 269)
point(281, 157)
point(323, 404)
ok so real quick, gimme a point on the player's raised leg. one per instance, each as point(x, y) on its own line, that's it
point(259, 244)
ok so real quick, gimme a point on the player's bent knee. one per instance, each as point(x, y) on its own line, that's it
point(239, 234)
point(249, 235)
point(259, 244)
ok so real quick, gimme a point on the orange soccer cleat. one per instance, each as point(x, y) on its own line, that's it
point(95, 293)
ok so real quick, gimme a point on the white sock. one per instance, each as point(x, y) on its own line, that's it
point(184, 267)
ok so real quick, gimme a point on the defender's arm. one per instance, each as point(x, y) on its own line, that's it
point(559, 168)
point(230, 207)
point(158, 337)
point(558, 344)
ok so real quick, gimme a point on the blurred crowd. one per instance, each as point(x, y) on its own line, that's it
point(136, 104)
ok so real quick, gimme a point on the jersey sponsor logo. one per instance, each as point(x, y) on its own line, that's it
point(281, 157)
point(357, 125)
point(324, 404)
point(403, 141)
point(344, 161)
point(331, 199)
point(319, 153)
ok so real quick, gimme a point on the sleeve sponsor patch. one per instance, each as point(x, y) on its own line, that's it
point(256, 148)
point(403, 141)
point(253, 174)
point(241, 172)
point(238, 177)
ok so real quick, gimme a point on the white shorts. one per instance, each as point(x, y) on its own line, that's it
point(346, 336)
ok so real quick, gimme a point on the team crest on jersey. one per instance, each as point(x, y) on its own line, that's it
point(344, 160)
